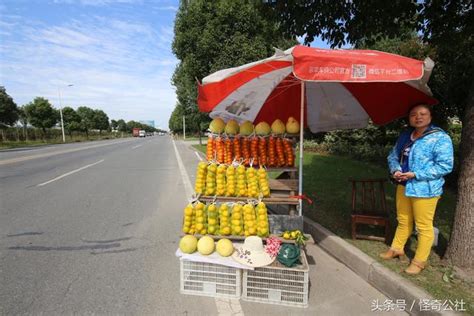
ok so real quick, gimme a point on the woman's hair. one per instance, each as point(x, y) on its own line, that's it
point(426, 106)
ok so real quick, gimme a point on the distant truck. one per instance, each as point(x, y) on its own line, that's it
point(136, 132)
point(142, 133)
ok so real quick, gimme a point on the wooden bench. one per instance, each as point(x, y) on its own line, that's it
point(369, 207)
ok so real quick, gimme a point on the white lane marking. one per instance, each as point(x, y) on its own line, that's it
point(25, 158)
point(224, 306)
point(69, 173)
point(187, 183)
point(137, 146)
point(198, 155)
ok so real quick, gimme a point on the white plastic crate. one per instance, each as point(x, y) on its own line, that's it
point(208, 279)
point(277, 284)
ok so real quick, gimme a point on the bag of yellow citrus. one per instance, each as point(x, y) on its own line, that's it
point(188, 218)
point(263, 229)
point(212, 219)
point(224, 220)
point(250, 220)
point(201, 218)
point(237, 227)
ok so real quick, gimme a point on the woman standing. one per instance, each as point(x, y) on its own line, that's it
point(418, 161)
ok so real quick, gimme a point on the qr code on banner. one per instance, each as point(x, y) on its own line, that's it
point(359, 71)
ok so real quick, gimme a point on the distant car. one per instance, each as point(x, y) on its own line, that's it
point(142, 133)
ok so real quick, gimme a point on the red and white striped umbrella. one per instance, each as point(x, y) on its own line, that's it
point(342, 88)
point(326, 89)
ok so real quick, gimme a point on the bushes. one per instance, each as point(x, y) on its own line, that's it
point(369, 144)
point(372, 144)
point(53, 135)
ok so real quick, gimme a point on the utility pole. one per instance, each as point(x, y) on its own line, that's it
point(184, 127)
point(61, 112)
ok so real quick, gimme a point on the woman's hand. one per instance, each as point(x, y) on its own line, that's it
point(397, 176)
point(407, 176)
point(403, 176)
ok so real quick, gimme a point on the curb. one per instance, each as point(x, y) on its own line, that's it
point(386, 281)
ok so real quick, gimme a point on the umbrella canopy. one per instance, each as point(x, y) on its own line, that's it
point(342, 88)
point(326, 89)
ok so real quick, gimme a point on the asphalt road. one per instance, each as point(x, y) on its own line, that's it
point(93, 228)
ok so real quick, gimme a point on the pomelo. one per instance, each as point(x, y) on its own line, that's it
point(232, 127)
point(205, 245)
point(292, 126)
point(278, 127)
point(224, 247)
point(262, 129)
point(217, 125)
point(246, 128)
point(188, 244)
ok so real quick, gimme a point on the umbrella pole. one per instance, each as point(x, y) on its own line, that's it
point(300, 172)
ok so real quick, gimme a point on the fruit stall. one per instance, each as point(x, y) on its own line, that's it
point(231, 246)
point(326, 90)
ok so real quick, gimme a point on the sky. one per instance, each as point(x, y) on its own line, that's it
point(116, 54)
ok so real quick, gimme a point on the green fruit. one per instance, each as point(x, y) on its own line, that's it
point(232, 127)
point(278, 127)
point(217, 125)
point(262, 129)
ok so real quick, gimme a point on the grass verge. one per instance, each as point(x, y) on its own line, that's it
point(201, 148)
point(326, 182)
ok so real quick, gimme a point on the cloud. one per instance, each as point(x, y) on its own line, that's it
point(167, 8)
point(64, 36)
point(122, 66)
point(98, 3)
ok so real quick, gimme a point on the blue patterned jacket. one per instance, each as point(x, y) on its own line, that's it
point(430, 158)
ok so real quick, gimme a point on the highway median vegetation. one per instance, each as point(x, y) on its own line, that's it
point(13, 137)
point(39, 123)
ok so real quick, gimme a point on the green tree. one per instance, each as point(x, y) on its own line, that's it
point(101, 121)
point(23, 118)
point(72, 120)
point(8, 109)
point(122, 126)
point(133, 124)
point(175, 123)
point(41, 114)
point(211, 35)
point(113, 124)
point(87, 118)
point(448, 26)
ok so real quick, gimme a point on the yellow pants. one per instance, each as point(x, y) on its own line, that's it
point(421, 211)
